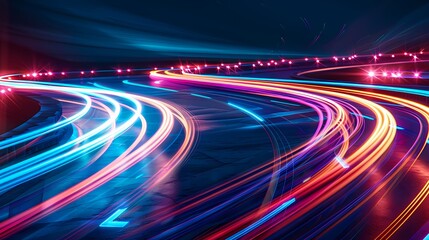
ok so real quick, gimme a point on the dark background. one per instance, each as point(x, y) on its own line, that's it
point(106, 33)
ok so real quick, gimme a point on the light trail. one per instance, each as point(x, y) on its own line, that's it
point(352, 160)
point(261, 221)
point(135, 153)
point(248, 112)
point(342, 162)
point(238, 83)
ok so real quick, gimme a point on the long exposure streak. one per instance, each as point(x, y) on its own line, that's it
point(214, 120)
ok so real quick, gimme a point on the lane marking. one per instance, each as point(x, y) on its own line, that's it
point(110, 221)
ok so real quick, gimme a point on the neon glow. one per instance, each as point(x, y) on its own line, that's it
point(223, 120)
point(112, 222)
point(248, 112)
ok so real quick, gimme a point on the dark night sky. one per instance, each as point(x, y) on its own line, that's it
point(88, 31)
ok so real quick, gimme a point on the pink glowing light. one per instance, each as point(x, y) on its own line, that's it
point(396, 75)
point(371, 74)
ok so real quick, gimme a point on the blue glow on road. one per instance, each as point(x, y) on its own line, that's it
point(110, 221)
point(397, 127)
point(50, 128)
point(364, 116)
point(261, 221)
point(285, 103)
point(248, 112)
point(147, 86)
point(201, 96)
point(288, 114)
